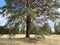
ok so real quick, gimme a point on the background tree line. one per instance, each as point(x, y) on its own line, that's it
point(45, 29)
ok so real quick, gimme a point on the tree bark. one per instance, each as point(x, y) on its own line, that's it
point(28, 21)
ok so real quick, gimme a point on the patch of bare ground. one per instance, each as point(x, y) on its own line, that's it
point(49, 40)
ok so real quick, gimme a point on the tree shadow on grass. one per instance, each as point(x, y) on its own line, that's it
point(28, 40)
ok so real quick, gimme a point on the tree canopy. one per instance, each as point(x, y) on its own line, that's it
point(27, 10)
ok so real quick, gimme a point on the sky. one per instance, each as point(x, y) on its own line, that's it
point(3, 20)
point(2, 3)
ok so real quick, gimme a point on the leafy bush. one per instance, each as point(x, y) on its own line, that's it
point(57, 29)
point(46, 29)
point(4, 30)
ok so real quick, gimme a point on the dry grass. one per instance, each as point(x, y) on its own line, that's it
point(49, 40)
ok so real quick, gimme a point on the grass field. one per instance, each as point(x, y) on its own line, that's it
point(49, 40)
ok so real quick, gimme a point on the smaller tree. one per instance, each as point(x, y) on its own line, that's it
point(46, 29)
point(57, 29)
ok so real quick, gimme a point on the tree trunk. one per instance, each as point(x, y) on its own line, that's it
point(28, 21)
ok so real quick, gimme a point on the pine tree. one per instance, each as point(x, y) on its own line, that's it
point(29, 8)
